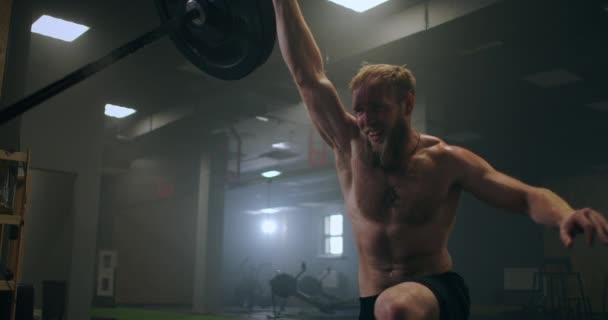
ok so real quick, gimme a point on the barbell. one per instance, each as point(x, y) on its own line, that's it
point(227, 39)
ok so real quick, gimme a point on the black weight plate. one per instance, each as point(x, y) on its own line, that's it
point(238, 35)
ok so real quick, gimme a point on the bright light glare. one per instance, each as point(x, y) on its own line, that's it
point(118, 111)
point(269, 226)
point(333, 246)
point(271, 174)
point(335, 225)
point(281, 146)
point(270, 210)
point(58, 28)
point(263, 119)
point(358, 5)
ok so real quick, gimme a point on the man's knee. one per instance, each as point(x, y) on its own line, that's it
point(391, 307)
point(401, 304)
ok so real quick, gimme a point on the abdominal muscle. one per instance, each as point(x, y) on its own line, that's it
point(391, 254)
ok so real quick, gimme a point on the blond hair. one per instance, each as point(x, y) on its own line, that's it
point(399, 79)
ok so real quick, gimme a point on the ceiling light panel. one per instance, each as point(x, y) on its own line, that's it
point(118, 111)
point(358, 5)
point(58, 28)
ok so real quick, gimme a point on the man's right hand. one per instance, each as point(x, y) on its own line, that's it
point(584, 221)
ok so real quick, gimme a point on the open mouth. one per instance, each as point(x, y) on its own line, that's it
point(375, 135)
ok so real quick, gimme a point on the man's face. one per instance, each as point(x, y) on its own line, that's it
point(377, 112)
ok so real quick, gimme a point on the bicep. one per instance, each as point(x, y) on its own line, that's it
point(487, 184)
point(327, 113)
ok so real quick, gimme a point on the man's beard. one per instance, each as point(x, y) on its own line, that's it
point(389, 154)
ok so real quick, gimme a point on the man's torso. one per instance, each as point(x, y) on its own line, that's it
point(401, 219)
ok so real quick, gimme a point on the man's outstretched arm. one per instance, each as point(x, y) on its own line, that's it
point(543, 206)
point(304, 60)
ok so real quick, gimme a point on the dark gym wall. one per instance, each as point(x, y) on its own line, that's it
point(148, 215)
point(152, 215)
point(48, 232)
point(72, 144)
point(5, 19)
point(14, 51)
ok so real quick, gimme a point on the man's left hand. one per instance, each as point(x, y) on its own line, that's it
point(587, 221)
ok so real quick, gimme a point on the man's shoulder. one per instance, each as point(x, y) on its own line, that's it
point(440, 150)
point(432, 145)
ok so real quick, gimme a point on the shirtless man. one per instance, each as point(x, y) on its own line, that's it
point(401, 188)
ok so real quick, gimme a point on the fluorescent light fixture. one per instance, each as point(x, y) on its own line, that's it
point(58, 28)
point(118, 111)
point(269, 226)
point(271, 174)
point(281, 146)
point(263, 119)
point(358, 5)
point(269, 210)
point(553, 78)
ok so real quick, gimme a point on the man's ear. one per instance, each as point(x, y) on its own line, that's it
point(410, 99)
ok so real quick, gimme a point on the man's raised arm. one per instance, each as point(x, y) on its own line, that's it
point(304, 60)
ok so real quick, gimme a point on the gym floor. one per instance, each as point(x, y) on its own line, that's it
point(151, 313)
point(293, 313)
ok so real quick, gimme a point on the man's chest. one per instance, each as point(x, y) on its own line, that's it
point(411, 196)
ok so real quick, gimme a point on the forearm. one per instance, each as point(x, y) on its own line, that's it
point(547, 208)
point(298, 47)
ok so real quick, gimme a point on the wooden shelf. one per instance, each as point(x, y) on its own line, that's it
point(12, 249)
point(10, 219)
point(7, 285)
point(13, 156)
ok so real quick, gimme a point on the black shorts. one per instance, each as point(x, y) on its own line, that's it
point(449, 289)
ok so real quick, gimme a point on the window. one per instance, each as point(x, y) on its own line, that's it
point(333, 235)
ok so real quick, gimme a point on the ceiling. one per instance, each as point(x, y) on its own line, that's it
point(488, 73)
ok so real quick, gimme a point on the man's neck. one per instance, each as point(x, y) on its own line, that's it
point(408, 149)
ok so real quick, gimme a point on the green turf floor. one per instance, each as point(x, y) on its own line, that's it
point(142, 314)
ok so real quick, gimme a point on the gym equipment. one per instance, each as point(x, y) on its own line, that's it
point(313, 287)
point(227, 39)
point(284, 286)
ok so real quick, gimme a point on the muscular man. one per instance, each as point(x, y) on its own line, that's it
point(401, 188)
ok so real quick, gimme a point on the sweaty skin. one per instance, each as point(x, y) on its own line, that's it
point(401, 188)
